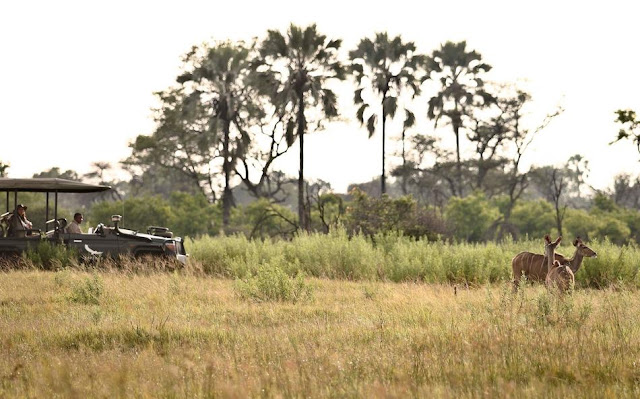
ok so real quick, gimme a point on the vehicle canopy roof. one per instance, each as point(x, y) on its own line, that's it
point(48, 185)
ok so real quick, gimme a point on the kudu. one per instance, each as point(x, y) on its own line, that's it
point(582, 251)
point(534, 266)
point(560, 278)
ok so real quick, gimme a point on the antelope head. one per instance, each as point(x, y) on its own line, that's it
point(583, 249)
point(549, 249)
point(551, 245)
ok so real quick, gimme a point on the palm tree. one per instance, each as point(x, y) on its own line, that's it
point(220, 76)
point(458, 72)
point(387, 67)
point(301, 63)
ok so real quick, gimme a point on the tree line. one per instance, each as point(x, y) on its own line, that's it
point(236, 107)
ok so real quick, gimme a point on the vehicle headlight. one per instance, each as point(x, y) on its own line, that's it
point(171, 246)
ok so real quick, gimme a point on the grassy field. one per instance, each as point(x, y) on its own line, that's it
point(134, 334)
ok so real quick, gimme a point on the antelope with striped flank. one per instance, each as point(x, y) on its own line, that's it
point(534, 268)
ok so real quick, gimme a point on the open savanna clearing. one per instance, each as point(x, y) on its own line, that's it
point(117, 334)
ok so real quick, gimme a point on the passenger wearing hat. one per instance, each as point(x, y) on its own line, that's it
point(18, 224)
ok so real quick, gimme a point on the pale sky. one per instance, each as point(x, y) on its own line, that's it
point(77, 77)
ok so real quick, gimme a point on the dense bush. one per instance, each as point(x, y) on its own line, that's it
point(370, 216)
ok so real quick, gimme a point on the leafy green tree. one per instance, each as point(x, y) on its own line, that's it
point(387, 67)
point(330, 210)
point(263, 219)
point(613, 228)
point(459, 74)
point(516, 137)
point(181, 142)
point(301, 63)
point(193, 216)
point(630, 127)
point(470, 217)
point(618, 224)
point(428, 171)
point(533, 218)
point(219, 76)
point(371, 216)
point(490, 135)
point(581, 223)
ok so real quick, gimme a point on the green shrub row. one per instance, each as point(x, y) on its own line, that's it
point(401, 259)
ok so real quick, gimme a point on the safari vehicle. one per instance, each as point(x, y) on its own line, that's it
point(103, 240)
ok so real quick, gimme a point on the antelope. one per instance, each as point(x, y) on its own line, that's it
point(533, 266)
point(582, 251)
point(560, 278)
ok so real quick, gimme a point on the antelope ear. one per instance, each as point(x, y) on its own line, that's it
point(576, 241)
point(556, 263)
point(547, 238)
point(558, 240)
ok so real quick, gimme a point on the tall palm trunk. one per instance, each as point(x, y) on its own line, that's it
point(302, 219)
point(383, 187)
point(456, 121)
point(404, 165)
point(227, 195)
point(456, 129)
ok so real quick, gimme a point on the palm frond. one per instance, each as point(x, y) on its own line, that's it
point(409, 120)
point(360, 113)
point(371, 124)
point(390, 106)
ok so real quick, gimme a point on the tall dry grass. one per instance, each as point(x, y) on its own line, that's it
point(187, 335)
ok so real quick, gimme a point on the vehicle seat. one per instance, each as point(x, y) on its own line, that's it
point(62, 225)
point(58, 225)
point(4, 223)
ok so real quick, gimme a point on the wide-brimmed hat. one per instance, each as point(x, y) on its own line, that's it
point(23, 206)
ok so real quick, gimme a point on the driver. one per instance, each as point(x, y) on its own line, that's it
point(19, 225)
point(74, 227)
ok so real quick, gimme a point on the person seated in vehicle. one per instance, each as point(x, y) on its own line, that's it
point(19, 225)
point(74, 226)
